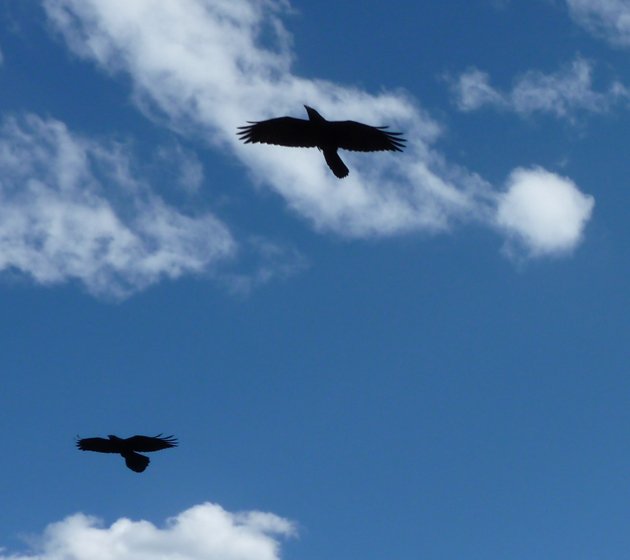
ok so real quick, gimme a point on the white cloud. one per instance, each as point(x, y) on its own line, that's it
point(472, 91)
point(203, 532)
point(188, 170)
point(605, 18)
point(561, 93)
point(202, 67)
point(71, 209)
point(542, 213)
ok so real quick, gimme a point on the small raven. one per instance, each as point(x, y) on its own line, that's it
point(328, 136)
point(128, 447)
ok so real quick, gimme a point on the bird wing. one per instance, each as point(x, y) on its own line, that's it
point(155, 443)
point(99, 444)
point(351, 135)
point(283, 131)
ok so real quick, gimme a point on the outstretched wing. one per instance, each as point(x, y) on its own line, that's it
point(351, 135)
point(147, 443)
point(99, 444)
point(283, 131)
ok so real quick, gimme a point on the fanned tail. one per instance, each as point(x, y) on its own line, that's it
point(337, 166)
point(135, 461)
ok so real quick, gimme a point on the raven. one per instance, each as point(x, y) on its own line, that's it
point(328, 136)
point(128, 447)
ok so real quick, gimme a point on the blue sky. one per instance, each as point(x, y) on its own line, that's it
point(426, 359)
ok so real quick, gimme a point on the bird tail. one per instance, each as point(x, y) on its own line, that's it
point(335, 163)
point(135, 461)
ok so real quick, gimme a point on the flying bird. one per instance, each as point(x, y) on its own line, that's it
point(128, 447)
point(327, 136)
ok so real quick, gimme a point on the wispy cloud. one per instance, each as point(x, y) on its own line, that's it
point(184, 165)
point(72, 209)
point(261, 261)
point(203, 532)
point(562, 94)
point(609, 19)
point(472, 90)
point(204, 68)
point(542, 213)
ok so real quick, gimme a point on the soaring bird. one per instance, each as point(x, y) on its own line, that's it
point(328, 136)
point(128, 447)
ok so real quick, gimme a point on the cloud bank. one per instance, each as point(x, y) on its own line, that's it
point(203, 532)
point(205, 67)
point(542, 213)
point(561, 94)
point(71, 209)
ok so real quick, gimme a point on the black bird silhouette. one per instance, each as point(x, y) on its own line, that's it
point(128, 447)
point(328, 136)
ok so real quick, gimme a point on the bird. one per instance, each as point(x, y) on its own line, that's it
point(128, 447)
point(327, 136)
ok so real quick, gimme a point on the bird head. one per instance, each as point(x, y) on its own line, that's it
point(114, 438)
point(313, 115)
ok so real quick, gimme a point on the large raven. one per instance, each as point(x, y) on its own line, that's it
point(328, 136)
point(128, 447)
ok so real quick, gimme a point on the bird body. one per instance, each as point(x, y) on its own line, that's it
point(327, 136)
point(128, 447)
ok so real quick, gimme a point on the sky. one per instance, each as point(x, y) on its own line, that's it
point(425, 359)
